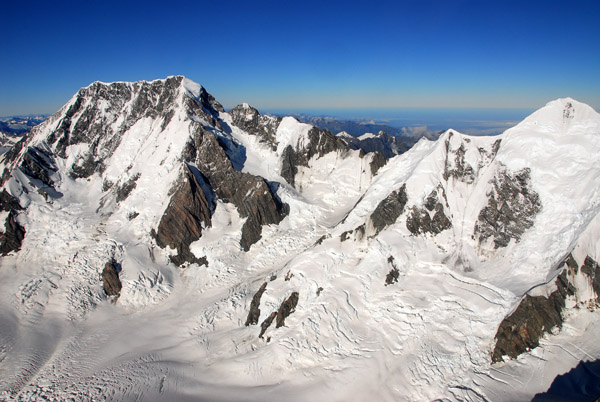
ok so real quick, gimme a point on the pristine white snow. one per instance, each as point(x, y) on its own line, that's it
point(179, 334)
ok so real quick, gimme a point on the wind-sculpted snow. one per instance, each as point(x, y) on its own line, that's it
point(258, 258)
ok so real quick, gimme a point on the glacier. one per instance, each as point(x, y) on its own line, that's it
point(469, 226)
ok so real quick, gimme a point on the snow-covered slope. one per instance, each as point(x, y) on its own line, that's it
point(157, 247)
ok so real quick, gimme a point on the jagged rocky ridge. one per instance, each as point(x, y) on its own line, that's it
point(413, 266)
point(320, 142)
point(383, 143)
point(100, 116)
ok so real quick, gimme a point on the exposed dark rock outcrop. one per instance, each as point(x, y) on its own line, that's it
point(254, 313)
point(110, 279)
point(592, 269)
point(290, 160)
point(250, 120)
point(457, 167)
point(511, 209)
point(181, 223)
point(253, 197)
point(320, 143)
point(99, 106)
point(430, 219)
point(572, 265)
point(127, 187)
point(267, 323)
point(357, 234)
point(378, 161)
point(38, 163)
point(344, 236)
point(13, 235)
point(286, 308)
point(382, 143)
point(535, 316)
point(8, 202)
point(394, 274)
point(389, 209)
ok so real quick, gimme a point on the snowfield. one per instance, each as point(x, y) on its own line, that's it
point(179, 333)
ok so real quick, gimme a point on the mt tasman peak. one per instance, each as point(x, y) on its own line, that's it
point(158, 247)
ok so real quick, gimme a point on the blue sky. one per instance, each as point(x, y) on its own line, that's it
point(517, 54)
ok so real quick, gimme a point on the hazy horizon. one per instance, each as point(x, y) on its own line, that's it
point(475, 121)
point(286, 55)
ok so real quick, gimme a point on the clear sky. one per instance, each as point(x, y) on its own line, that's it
point(305, 54)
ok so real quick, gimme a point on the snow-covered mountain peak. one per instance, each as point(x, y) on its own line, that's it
point(559, 117)
point(292, 132)
point(232, 242)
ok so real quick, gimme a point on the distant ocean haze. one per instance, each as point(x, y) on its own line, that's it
point(474, 121)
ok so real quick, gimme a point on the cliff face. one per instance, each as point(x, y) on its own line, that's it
point(12, 234)
point(251, 194)
point(251, 121)
point(536, 316)
point(183, 220)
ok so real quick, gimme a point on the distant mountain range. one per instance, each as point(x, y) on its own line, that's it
point(20, 124)
point(12, 129)
point(409, 135)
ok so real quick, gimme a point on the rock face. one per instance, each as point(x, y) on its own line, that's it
point(389, 209)
point(511, 209)
point(127, 187)
point(538, 315)
point(38, 163)
point(535, 316)
point(592, 270)
point(290, 160)
point(254, 313)
point(455, 165)
point(100, 107)
point(320, 142)
point(267, 323)
point(250, 120)
point(253, 197)
point(12, 235)
point(382, 143)
point(8, 202)
point(110, 279)
point(378, 161)
point(188, 211)
point(430, 219)
point(286, 308)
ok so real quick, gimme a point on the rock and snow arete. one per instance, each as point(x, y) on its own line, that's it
point(156, 247)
